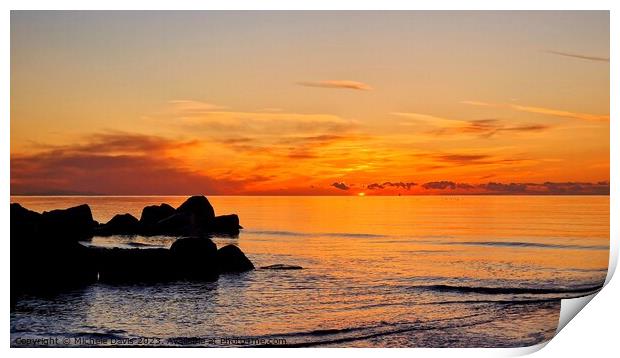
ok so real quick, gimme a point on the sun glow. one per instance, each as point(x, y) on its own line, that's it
point(361, 194)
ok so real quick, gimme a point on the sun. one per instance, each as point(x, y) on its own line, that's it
point(361, 194)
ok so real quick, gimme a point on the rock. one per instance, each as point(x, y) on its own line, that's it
point(177, 224)
point(133, 265)
point(152, 214)
point(225, 224)
point(24, 224)
point(281, 267)
point(51, 268)
point(195, 258)
point(192, 258)
point(68, 225)
point(195, 217)
point(231, 259)
point(199, 207)
point(120, 224)
point(45, 253)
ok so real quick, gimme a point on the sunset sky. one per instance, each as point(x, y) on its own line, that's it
point(310, 103)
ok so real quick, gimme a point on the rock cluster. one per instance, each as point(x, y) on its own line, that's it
point(46, 253)
point(194, 217)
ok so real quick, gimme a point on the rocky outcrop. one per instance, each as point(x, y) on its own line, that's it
point(198, 207)
point(46, 253)
point(194, 217)
point(231, 259)
point(152, 214)
point(120, 224)
point(194, 258)
point(68, 225)
point(225, 224)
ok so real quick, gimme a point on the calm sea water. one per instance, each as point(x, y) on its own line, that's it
point(474, 271)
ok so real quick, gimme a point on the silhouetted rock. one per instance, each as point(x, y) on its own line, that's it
point(195, 258)
point(24, 223)
point(48, 268)
point(69, 225)
point(195, 217)
point(281, 267)
point(46, 253)
point(225, 224)
point(177, 224)
point(152, 214)
point(231, 259)
point(120, 224)
point(199, 207)
point(192, 258)
point(134, 265)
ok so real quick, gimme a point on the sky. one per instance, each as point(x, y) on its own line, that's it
point(309, 103)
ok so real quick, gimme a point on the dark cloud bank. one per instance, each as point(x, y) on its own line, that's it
point(112, 164)
point(494, 188)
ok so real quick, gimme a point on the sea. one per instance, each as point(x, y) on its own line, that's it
point(377, 271)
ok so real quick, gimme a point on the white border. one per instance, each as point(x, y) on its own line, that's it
point(595, 329)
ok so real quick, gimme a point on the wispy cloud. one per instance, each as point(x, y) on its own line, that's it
point(474, 159)
point(343, 84)
point(202, 116)
point(483, 127)
point(579, 56)
point(541, 110)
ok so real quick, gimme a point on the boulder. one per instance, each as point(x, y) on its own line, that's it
point(133, 265)
point(176, 224)
point(120, 224)
point(51, 268)
point(225, 224)
point(199, 207)
point(68, 225)
point(45, 253)
point(194, 258)
point(152, 214)
point(24, 224)
point(231, 259)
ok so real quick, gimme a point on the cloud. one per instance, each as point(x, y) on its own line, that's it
point(500, 187)
point(446, 187)
point(116, 164)
point(439, 185)
point(541, 110)
point(206, 117)
point(496, 188)
point(341, 186)
point(482, 127)
point(343, 84)
point(579, 56)
point(474, 159)
point(403, 185)
point(569, 188)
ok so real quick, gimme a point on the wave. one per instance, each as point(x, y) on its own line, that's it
point(309, 234)
point(381, 331)
point(509, 290)
point(322, 337)
point(527, 244)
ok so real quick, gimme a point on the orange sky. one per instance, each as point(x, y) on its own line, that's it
point(270, 103)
